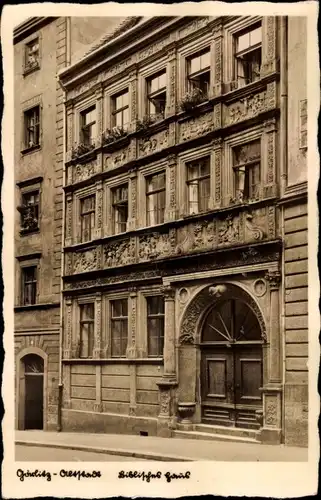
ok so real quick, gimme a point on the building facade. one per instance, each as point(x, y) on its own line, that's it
point(185, 231)
point(42, 47)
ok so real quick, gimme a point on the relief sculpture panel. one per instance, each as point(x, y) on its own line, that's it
point(119, 253)
point(196, 127)
point(250, 106)
point(83, 171)
point(86, 260)
point(196, 237)
point(156, 245)
point(149, 145)
point(116, 159)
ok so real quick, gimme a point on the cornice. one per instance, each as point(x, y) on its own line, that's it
point(29, 26)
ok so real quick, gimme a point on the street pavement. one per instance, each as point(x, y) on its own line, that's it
point(164, 449)
point(42, 454)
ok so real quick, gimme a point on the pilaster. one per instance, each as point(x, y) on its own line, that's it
point(216, 177)
point(98, 402)
point(172, 71)
point(69, 209)
point(133, 98)
point(99, 209)
point(99, 115)
point(68, 329)
point(218, 60)
point(97, 326)
point(131, 346)
point(70, 125)
point(132, 199)
point(171, 188)
point(270, 159)
point(269, 32)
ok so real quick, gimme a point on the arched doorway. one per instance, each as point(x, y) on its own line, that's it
point(33, 393)
point(231, 362)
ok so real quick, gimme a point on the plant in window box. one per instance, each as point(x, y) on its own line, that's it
point(148, 120)
point(192, 99)
point(29, 220)
point(114, 134)
point(81, 149)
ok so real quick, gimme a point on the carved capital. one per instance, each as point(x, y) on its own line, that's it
point(274, 278)
point(171, 159)
point(168, 292)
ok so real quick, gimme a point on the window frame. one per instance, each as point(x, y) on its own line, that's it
point(188, 165)
point(161, 318)
point(85, 214)
point(154, 95)
point(237, 55)
point(91, 332)
point(84, 127)
point(35, 207)
point(27, 69)
point(115, 206)
point(37, 125)
point(34, 283)
point(248, 169)
point(202, 71)
point(149, 194)
point(124, 335)
point(115, 111)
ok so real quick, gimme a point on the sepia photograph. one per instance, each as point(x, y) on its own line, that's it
point(159, 212)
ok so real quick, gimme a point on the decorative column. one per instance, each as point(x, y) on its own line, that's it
point(171, 65)
point(97, 326)
point(216, 186)
point(171, 188)
point(132, 199)
point(166, 419)
point(131, 346)
point(70, 126)
point(270, 186)
point(99, 127)
point(69, 206)
point(272, 392)
point(99, 210)
point(269, 32)
point(133, 98)
point(68, 328)
point(218, 59)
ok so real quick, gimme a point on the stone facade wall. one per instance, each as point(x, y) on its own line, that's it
point(296, 325)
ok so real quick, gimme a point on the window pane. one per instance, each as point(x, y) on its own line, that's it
point(193, 171)
point(162, 80)
point(195, 64)
point(204, 195)
point(256, 36)
point(125, 117)
point(153, 84)
point(243, 42)
point(125, 99)
point(205, 60)
point(119, 102)
point(119, 118)
point(155, 305)
point(193, 197)
point(205, 168)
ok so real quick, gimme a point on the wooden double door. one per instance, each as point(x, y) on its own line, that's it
point(34, 389)
point(231, 366)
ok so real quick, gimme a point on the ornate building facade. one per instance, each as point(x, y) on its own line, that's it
point(185, 246)
point(42, 47)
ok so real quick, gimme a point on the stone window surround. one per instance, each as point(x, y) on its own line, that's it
point(155, 168)
point(108, 95)
point(182, 191)
point(32, 260)
point(77, 110)
point(141, 332)
point(107, 208)
point(77, 197)
point(30, 186)
point(206, 41)
point(107, 298)
point(238, 139)
point(87, 299)
point(230, 31)
point(147, 72)
point(26, 106)
point(27, 41)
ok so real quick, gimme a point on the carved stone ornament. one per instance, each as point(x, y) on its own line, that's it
point(165, 399)
point(116, 159)
point(217, 291)
point(149, 145)
point(195, 310)
point(196, 25)
point(270, 411)
point(259, 287)
point(196, 127)
point(119, 253)
point(85, 261)
point(274, 278)
point(155, 245)
point(168, 291)
point(250, 106)
point(254, 231)
point(229, 230)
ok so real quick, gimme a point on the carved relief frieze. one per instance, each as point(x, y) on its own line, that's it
point(69, 206)
point(149, 145)
point(68, 264)
point(153, 49)
point(270, 157)
point(83, 171)
point(253, 230)
point(196, 127)
point(156, 245)
point(172, 86)
point(85, 260)
point(217, 116)
point(270, 411)
point(196, 25)
point(217, 146)
point(116, 159)
point(68, 337)
point(119, 253)
point(251, 106)
point(198, 236)
point(218, 76)
point(229, 230)
point(271, 222)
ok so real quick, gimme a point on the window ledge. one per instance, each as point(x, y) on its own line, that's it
point(28, 70)
point(25, 232)
point(158, 361)
point(31, 149)
point(32, 307)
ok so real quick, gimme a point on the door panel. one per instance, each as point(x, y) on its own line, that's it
point(34, 401)
point(248, 376)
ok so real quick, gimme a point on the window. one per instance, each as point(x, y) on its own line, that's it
point(198, 185)
point(246, 165)
point(156, 94)
point(120, 105)
point(155, 198)
point(87, 319)
point(32, 127)
point(29, 211)
point(198, 72)
point(248, 55)
point(32, 55)
point(88, 125)
point(155, 325)
point(29, 285)
point(120, 208)
point(87, 215)
point(119, 327)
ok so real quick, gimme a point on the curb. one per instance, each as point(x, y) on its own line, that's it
point(110, 451)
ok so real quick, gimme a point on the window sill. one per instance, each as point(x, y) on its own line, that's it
point(159, 361)
point(31, 149)
point(26, 232)
point(28, 70)
point(32, 307)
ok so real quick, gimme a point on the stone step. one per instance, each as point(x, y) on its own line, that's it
point(205, 436)
point(221, 429)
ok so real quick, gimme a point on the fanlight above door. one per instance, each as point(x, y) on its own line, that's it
point(231, 321)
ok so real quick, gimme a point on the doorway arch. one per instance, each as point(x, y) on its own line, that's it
point(31, 389)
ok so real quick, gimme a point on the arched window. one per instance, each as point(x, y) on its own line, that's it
point(33, 363)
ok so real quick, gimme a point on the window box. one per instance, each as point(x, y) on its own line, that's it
point(192, 99)
point(115, 134)
point(81, 149)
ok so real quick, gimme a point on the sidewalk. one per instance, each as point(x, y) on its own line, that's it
point(164, 449)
